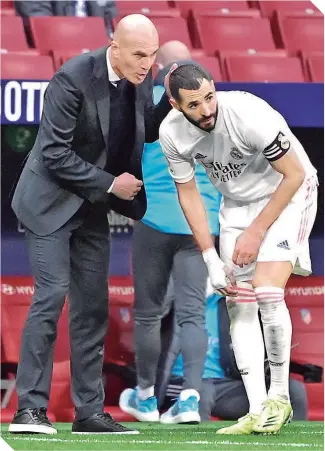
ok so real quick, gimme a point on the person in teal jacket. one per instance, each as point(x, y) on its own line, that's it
point(163, 245)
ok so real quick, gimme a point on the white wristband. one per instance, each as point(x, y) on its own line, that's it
point(216, 269)
point(212, 259)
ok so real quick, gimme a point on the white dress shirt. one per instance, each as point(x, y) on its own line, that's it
point(113, 78)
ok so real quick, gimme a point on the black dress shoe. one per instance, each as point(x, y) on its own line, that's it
point(31, 421)
point(100, 423)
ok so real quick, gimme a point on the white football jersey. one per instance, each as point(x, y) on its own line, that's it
point(248, 135)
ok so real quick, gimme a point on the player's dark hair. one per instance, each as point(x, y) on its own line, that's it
point(187, 76)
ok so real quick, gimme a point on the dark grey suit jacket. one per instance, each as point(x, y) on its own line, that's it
point(66, 164)
point(63, 8)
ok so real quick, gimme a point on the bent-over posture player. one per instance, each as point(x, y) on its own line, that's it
point(269, 205)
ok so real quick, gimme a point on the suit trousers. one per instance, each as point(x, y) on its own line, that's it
point(71, 261)
point(157, 256)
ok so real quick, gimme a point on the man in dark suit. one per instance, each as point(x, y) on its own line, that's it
point(98, 112)
point(79, 8)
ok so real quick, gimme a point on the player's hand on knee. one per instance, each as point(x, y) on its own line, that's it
point(221, 278)
point(231, 288)
point(247, 247)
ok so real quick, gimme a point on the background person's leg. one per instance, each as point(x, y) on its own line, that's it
point(230, 399)
point(299, 401)
point(190, 283)
point(153, 253)
point(207, 399)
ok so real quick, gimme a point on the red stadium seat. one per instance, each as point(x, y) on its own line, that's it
point(210, 63)
point(118, 349)
point(264, 69)
point(17, 67)
point(64, 33)
point(305, 301)
point(148, 8)
point(299, 31)
point(198, 15)
point(199, 11)
point(233, 33)
point(152, 13)
point(315, 396)
point(315, 63)
point(7, 12)
point(171, 28)
point(26, 52)
point(268, 7)
point(13, 34)
point(277, 53)
point(186, 6)
point(7, 3)
point(61, 56)
point(142, 7)
point(17, 307)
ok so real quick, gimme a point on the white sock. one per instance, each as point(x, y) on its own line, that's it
point(185, 394)
point(277, 335)
point(248, 345)
point(145, 393)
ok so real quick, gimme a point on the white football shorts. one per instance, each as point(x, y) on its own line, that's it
point(286, 240)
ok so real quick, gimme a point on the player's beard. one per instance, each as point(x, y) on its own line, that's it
point(197, 123)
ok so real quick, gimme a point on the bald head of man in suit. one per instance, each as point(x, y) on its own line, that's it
point(134, 47)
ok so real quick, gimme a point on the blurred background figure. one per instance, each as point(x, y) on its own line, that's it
point(78, 8)
point(168, 53)
point(162, 243)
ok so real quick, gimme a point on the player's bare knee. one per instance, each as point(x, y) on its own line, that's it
point(271, 274)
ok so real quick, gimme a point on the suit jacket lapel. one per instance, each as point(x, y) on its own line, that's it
point(100, 86)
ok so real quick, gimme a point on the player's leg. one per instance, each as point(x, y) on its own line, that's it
point(269, 282)
point(152, 262)
point(284, 250)
point(246, 335)
point(245, 328)
point(190, 282)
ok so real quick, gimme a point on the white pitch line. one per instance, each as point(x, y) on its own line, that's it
point(312, 432)
point(167, 442)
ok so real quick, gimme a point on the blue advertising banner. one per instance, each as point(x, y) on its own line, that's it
point(22, 101)
point(302, 104)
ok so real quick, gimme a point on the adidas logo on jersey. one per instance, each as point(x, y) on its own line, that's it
point(284, 245)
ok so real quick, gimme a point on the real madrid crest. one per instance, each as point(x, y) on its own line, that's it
point(236, 154)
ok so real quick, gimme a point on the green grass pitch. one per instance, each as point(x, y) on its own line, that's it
point(296, 436)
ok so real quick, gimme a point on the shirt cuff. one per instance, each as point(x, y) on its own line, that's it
point(111, 187)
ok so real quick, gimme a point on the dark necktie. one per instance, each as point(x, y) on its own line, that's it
point(120, 84)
